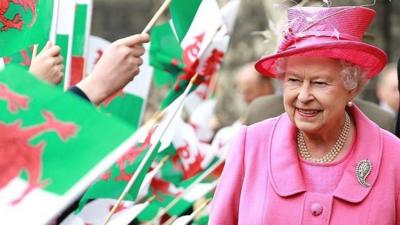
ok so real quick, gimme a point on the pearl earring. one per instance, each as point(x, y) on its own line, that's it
point(350, 104)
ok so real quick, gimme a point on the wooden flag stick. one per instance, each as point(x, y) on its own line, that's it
point(200, 208)
point(198, 180)
point(192, 215)
point(156, 16)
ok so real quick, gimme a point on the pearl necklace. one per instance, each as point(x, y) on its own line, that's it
point(331, 155)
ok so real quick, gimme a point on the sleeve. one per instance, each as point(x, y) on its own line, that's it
point(78, 92)
point(225, 203)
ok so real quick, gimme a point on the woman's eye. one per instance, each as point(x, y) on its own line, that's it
point(293, 80)
point(320, 83)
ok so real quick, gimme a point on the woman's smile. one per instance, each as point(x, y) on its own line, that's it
point(307, 113)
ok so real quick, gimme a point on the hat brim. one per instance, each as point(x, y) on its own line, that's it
point(368, 57)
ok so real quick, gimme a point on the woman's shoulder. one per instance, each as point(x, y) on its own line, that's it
point(390, 139)
point(262, 125)
point(391, 144)
point(260, 130)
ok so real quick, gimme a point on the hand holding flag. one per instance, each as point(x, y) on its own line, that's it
point(118, 66)
point(47, 65)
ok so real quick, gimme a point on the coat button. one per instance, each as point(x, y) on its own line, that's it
point(316, 209)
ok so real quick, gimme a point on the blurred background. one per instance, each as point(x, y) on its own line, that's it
point(256, 33)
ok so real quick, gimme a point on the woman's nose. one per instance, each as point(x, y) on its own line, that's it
point(305, 94)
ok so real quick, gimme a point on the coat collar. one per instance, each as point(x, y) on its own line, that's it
point(284, 166)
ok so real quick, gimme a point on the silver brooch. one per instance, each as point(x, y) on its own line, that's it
point(363, 169)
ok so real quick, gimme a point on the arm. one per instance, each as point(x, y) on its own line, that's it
point(78, 92)
point(225, 205)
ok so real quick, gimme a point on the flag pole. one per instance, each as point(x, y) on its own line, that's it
point(152, 149)
point(156, 16)
point(198, 180)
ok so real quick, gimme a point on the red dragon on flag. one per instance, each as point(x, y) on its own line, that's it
point(18, 153)
point(192, 60)
point(17, 21)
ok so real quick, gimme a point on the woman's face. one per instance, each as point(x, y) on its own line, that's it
point(314, 94)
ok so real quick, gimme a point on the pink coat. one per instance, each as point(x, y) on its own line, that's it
point(262, 183)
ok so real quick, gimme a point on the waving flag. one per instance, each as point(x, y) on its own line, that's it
point(24, 23)
point(50, 154)
point(204, 45)
point(183, 13)
point(165, 55)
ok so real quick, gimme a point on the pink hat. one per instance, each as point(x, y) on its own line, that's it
point(334, 32)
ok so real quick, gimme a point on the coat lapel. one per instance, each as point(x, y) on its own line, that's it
point(368, 145)
point(284, 168)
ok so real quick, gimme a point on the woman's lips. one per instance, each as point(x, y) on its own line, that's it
point(308, 113)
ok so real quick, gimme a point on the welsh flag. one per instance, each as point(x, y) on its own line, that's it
point(189, 153)
point(165, 55)
point(203, 46)
point(49, 153)
point(24, 23)
point(82, 21)
point(64, 36)
point(129, 103)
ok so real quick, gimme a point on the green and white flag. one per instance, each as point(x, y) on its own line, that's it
point(64, 35)
point(50, 154)
point(199, 52)
point(24, 23)
point(165, 55)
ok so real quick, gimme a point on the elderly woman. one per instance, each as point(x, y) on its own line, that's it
point(323, 161)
